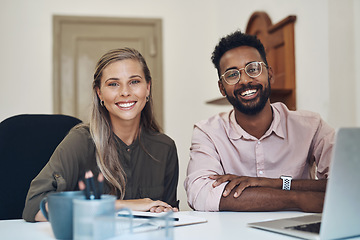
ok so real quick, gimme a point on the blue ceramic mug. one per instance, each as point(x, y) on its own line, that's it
point(60, 214)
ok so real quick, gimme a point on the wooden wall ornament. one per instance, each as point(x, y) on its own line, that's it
point(279, 43)
point(278, 40)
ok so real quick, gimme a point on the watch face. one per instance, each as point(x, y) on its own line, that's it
point(286, 182)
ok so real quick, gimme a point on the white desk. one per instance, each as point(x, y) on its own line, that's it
point(220, 225)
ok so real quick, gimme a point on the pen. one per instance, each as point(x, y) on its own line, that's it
point(145, 216)
point(100, 186)
point(87, 186)
point(90, 186)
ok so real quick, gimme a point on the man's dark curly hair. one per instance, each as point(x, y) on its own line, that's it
point(234, 40)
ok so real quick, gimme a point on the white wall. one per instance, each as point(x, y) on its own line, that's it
point(342, 63)
point(191, 29)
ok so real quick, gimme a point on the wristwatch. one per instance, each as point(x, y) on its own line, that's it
point(286, 182)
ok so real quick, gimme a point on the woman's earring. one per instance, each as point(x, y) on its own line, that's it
point(147, 98)
point(102, 103)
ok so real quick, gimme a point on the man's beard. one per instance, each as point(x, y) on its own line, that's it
point(253, 106)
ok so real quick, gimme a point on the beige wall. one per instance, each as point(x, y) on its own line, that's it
point(326, 32)
point(356, 27)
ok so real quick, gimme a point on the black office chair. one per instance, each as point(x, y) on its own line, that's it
point(26, 144)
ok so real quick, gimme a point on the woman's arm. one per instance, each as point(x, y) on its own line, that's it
point(171, 178)
point(61, 173)
point(145, 204)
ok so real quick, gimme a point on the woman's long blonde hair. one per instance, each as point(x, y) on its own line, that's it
point(107, 157)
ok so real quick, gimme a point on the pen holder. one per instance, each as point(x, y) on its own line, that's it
point(121, 228)
point(127, 226)
point(87, 211)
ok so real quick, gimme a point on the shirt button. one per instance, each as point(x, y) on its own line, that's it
point(261, 172)
point(128, 149)
point(258, 142)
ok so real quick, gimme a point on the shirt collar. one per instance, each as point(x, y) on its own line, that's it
point(126, 147)
point(276, 124)
point(235, 131)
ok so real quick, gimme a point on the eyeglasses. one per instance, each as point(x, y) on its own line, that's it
point(252, 69)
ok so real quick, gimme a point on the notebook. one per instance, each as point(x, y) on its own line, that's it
point(341, 213)
point(147, 221)
point(178, 218)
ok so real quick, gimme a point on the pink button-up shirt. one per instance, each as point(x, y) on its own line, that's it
point(293, 143)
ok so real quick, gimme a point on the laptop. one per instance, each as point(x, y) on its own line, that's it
point(341, 213)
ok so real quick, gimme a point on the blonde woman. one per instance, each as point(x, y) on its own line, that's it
point(122, 142)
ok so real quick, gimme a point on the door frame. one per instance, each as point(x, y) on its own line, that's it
point(155, 23)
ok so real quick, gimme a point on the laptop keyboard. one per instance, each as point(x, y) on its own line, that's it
point(311, 227)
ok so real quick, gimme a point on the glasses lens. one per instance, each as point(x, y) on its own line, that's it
point(253, 69)
point(232, 76)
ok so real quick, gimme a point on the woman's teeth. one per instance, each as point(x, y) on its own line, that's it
point(126, 105)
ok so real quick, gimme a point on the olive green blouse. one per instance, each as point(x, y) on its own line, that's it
point(150, 164)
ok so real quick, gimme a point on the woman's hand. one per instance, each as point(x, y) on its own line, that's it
point(145, 204)
point(39, 217)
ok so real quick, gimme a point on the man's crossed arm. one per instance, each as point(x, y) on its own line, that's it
point(265, 194)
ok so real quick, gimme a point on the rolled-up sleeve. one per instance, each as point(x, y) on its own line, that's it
point(324, 140)
point(204, 162)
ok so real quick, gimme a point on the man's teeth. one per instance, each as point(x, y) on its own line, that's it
point(125, 105)
point(248, 92)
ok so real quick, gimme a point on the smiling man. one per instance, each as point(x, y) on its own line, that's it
point(259, 156)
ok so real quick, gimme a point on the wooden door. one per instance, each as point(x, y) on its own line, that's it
point(279, 43)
